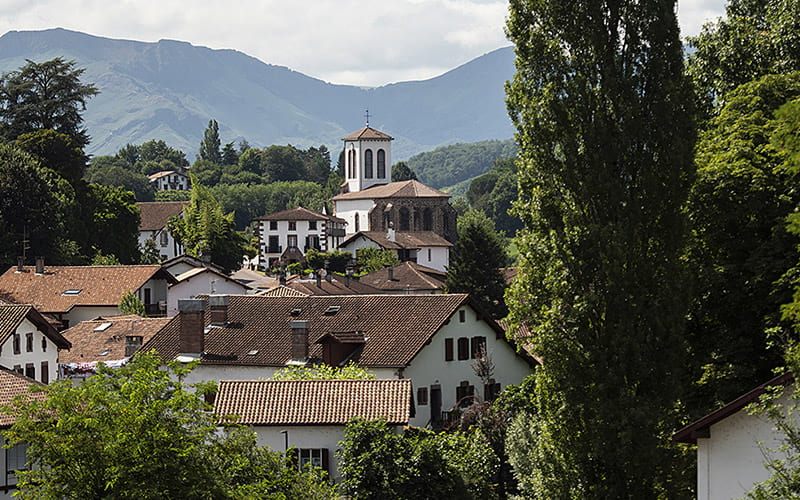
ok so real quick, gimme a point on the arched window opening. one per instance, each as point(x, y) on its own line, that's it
point(405, 219)
point(381, 164)
point(368, 164)
point(357, 217)
point(427, 220)
point(351, 161)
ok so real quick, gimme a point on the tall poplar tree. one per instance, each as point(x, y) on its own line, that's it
point(209, 146)
point(601, 108)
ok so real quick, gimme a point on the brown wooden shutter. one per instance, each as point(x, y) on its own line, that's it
point(325, 465)
point(448, 349)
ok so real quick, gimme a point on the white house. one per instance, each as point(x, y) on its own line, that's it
point(433, 340)
point(422, 247)
point(29, 344)
point(202, 281)
point(12, 459)
point(169, 180)
point(153, 226)
point(310, 415)
point(72, 294)
point(733, 445)
point(286, 236)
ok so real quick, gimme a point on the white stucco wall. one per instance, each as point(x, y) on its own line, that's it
point(732, 459)
point(204, 283)
point(172, 182)
point(83, 313)
point(348, 209)
point(434, 257)
point(429, 367)
point(8, 359)
point(208, 373)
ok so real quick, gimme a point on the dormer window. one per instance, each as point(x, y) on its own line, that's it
point(71, 292)
point(102, 327)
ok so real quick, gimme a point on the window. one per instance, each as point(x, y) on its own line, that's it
point(463, 348)
point(292, 225)
point(351, 163)
point(45, 372)
point(427, 220)
point(273, 225)
point(462, 316)
point(405, 219)
point(16, 457)
point(356, 221)
point(30, 370)
point(429, 255)
point(18, 369)
point(17, 342)
point(291, 241)
point(312, 224)
point(29, 342)
point(313, 457)
point(422, 396)
point(164, 238)
point(44, 343)
point(368, 164)
point(478, 349)
point(464, 394)
point(71, 292)
point(448, 349)
point(381, 164)
point(273, 246)
point(491, 390)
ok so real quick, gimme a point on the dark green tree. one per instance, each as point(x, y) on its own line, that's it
point(372, 259)
point(209, 146)
point(604, 122)
point(476, 261)
point(158, 151)
point(46, 95)
point(229, 155)
point(114, 226)
point(111, 171)
point(402, 172)
point(56, 151)
point(740, 253)
point(282, 163)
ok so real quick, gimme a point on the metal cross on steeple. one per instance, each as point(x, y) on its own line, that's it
point(367, 115)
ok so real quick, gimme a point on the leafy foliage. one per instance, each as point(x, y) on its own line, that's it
point(475, 263)
point(129, 303)
point(402, 172)
point(140, 432)
point(337, 260)
point(209, 146)
point(604, 122)
point(373, 259)
point(350, 371)
point(494, 192)
point(450, 165)
point(46, 95)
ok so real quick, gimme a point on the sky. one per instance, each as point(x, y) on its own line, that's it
point(365, 43)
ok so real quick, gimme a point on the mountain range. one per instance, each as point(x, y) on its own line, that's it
point(169, 90)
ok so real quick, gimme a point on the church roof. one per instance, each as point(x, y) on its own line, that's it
point(401, 189)
point(402, 239)
point(368, 133)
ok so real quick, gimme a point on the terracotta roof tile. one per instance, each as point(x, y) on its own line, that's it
point(404, 239)
point(282, 291)
point(314, 402)
point(300, 213)
point(155, 214)
point(13, 384)
point(396, 327)
point(401, 189)
point(405, 276)
point(368, 133)
point(98, 285)
point(163, 173)
point(336, 286)
point(89, 339)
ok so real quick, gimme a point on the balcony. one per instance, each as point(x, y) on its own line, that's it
point(274, 249)
point(155, 310)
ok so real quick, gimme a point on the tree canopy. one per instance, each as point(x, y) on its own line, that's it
point(604, 122)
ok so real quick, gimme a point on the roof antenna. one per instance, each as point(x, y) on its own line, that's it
point(367, 115)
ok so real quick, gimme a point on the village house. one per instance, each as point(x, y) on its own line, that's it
point(406, 277)
point(733, 445)
point(202, 281)
point(422, 247)
point(111, 340)
point(433, 340)
point(153, 226)
point(310, 415)
point(29, 344)
point(169, 180)
point(15, 458)
point(71, 294)
point(286, 236)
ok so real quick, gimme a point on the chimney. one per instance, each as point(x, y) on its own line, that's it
point(390, 270)
point(299, 339)
point(218, 306)
point(39, 265)
point(329, 276)
point(191, 319)
point(390, 232)
point(132, 344)
point(20, 264)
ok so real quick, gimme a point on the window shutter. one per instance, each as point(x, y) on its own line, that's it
point(448, 349)
point(463, 348)
point(478, 345)
point(325, 465)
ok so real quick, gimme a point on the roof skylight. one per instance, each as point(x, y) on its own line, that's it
point(72, 291)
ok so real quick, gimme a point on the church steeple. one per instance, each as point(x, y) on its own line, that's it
point(367, 158)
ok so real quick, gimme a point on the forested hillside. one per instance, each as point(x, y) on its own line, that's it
point(449, 165)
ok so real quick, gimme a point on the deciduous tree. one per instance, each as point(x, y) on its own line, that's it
point(604, 122)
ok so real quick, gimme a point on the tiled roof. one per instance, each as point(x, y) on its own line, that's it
point(337, 286)
point(401, 189)
point(98, 285)
point(12, 315)
point(254, 279)
point(90, 340)
point(258, 332)
point(282, 291)
point(404, 239)
point(155, 214)
point(163, 173)
point(368, 133)
point(314, 402)
point(191, 273)
point(405, 276)
point(300, 213)
point(13, 384)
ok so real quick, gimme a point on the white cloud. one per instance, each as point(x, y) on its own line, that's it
point(343, 41)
